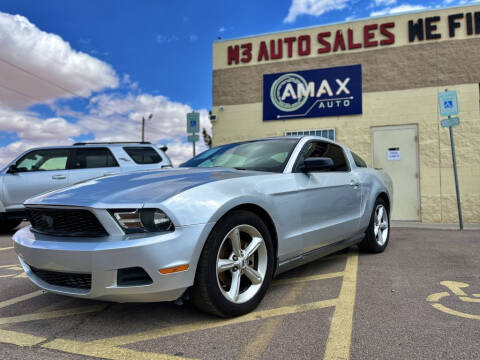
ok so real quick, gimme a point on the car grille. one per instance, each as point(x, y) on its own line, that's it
point(76, 281)
point(65, 222)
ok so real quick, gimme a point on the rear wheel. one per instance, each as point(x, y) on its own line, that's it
point(8, 225)
point(235, 268)
point(378, 232)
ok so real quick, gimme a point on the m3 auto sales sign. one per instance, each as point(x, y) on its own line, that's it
point(313, 93)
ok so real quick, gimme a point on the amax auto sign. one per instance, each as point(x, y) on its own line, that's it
point(313, 93)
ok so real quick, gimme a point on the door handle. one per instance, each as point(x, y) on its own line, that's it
point(59, 177)
point(108, 173)
point(354, 183)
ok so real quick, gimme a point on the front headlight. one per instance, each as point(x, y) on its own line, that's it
point(143, 220)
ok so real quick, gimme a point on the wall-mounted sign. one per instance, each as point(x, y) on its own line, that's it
point(313, 93)
point(441, 25)
point(448, 103)
point(393, 154)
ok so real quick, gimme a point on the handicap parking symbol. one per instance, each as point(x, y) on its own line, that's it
point(448, 104)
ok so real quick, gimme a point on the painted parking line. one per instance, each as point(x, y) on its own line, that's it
point(106, 352)
point(6, 248)
point(214, 323)
point(111, 348)
point(20, 339)
point(255, 348)
point(307, 278)
point(340, 336)
point(264, 335)
point(7, 266)
point(21, 298)
point(456, 289)
point(51, 314)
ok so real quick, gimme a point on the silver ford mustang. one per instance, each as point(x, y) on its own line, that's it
point(217, 229)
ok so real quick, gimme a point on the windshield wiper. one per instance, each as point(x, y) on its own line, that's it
point(240, 168)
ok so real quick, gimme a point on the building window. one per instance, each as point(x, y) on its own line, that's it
point(326, 133)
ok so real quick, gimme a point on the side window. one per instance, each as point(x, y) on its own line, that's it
point(89, 158)
point(143, 154)
point(325, 149)
point(44, 160)
point(359, 161)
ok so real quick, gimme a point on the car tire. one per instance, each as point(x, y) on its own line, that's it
point(8, 225)
point(223, 265)
point(378, 231)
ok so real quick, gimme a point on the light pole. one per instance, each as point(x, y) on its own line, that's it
point(143, 125)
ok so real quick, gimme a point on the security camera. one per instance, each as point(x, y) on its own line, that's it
point(220, 108)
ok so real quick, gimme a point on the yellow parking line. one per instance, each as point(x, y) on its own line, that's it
point(340, 336)
point(21, 298)
point(437, 296)
point(7, 266)
point(18, 338)
point(210, 324)
point(51, 314)
point(6, 248)
point(105, 352)
point(264, 335)
point(455, 312)
point(307, 278)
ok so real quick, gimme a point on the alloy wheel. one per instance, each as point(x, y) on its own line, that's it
point(242, 262)
point(381, 225)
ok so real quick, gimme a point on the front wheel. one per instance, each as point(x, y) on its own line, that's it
point(378, 231)
point(235, 268)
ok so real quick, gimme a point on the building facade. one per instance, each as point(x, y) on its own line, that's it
point(372, 85)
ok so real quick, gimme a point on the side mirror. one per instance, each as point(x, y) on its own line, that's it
point(313, 164)
point(12, 169)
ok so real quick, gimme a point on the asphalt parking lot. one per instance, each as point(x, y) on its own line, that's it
point(418, 300)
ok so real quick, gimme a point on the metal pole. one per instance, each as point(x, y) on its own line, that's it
point(459, 205)
point(143, 129)
point(193, 135)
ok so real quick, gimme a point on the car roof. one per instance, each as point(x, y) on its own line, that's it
point(83, 145)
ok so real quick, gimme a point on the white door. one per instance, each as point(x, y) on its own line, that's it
point(395, 150)
point(331, 208)
point(37, 172)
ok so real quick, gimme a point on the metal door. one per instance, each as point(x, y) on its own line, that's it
point(395, 150)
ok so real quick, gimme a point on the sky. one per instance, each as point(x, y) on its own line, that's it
point(89, 70)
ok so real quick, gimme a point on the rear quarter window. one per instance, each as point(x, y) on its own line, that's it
point(359, 161)
point(143, 154)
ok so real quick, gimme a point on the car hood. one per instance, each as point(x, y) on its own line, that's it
point(136, 188)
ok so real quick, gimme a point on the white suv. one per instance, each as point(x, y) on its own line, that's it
point(48, 168)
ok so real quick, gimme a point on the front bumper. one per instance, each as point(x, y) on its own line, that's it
point(103, 257)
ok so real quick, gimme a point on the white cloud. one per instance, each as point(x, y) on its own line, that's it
point(312, 7)
point(222, 29)
point(166, 127)
point(39, 52)
point(385, 2)
point(398, 10)
point(34, 131)
point(193, 37)
point(108, 117)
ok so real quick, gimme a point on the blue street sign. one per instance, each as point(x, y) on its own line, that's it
point(455, 121)
point(448, 103)
point(191, 138)
point(193, 122)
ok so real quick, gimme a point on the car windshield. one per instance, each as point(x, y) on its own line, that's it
point(261, 155)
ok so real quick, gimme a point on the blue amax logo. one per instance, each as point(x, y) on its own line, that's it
point(313, 93)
